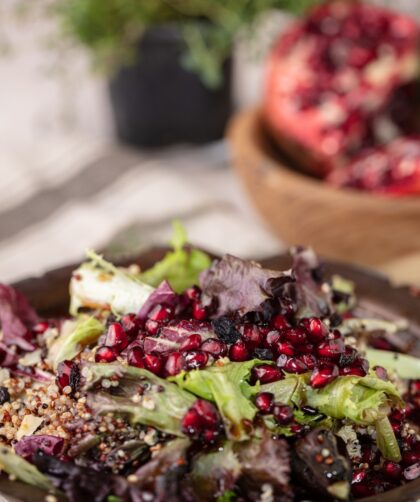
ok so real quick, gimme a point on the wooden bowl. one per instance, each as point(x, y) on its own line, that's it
point(343, 224)
point(49, 295)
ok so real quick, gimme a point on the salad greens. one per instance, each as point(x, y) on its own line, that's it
point(406, 366)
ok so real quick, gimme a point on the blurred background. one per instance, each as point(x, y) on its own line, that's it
point(114, 113)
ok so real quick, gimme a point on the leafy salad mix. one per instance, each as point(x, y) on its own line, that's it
point(207, 380)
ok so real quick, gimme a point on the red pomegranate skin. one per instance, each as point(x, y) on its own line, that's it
point(338, 72)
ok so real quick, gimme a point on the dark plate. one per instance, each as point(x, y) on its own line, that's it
point(49, 295)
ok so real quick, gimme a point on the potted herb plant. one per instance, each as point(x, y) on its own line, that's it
point(168, 61)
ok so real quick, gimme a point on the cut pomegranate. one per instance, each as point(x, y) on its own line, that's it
point(195, 359)
point(264, 402)
point(239, 351)
point(135, 357)
point(68, 374)
point(335, 73)
point(193, 342)
point(153, 363)
point(174, 364)
point(316, 329)
point(266, 373)
point(296, 336)
point(283, 414)
point(116, 337)
point(323, 375)
point(105, 354)
point(215, 347)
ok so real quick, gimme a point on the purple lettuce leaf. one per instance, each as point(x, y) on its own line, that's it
point(175, 333)
point(28, 445)
point(238, 285)
point(16, 317)
point(162, 295)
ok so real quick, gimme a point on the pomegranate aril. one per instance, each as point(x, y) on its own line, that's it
point(381, 372)
point(323, 375)
point(161, 313)
point(135, 357)
point(68, 374)
point(283, 414)
point(306, 348)
point(331, 349)
point(412, 472)
point(105, 354)
point(391, 470)
point(358, 476)
point(198, 311)
point(174, 364)
point(348, 356)
point(360, 367)
point(195, 359)
point(315, 328)
point(152, 327)
point(116, 337)
point(153, 363)
point(207, 412)
point(251, 336)
point(210, 436)
point(266, 373)
point(131, 324)
point(295, 365)
point(215, 347)
point(239, 351)
point(272, 338)
point(308, 360)
point(193, 342)
point(40, 327)
point(410, 457)
point(264, 402)
point(191, 422)
point(296, 336)
point(193, 293)
point(279, 322)
point(285, 348)
point(414, 388)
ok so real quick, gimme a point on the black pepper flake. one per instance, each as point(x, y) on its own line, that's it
point(4, 395)
point(225, 329)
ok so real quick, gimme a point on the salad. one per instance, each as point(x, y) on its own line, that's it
point(207, 380)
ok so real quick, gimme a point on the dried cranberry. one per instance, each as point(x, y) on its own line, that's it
point(323, 375)
point(116, 337)
point(296, 336)
point(239, 351)
point(193, 342)
point(195, 359)
point(105, 354)
point(135, 357)
point(264, 402)
point(283, 414)
point(215, 347)
point(316, 329)
point(266, 373)
point(153, 363)
point(174, 364)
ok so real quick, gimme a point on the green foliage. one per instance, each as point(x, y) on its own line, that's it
point(111, 28)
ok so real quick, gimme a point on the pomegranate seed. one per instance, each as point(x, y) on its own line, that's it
point(105, 354)
point(198, 311)
point(392, 470)
point(195, 359)
point(323, 375)
point(272, 338)
point(412, 472)
point(295, 336)
point(397, 415)
point(265, 373)
point(135, 357)
point(116, 337)
point(153, 363)
point(363, 489)
point(40, 327)
point(308, 360)
point(251, 336)
point(294, 365)
point(131, 324)
point(358, 476)
point(207, 412)
point(152, 327)
point(193, 342)
point(279, 322)
point(370, 454)
point(210, 436)
point(335, 335)
point(239, 351)
point(215, 347)
point(68, 374)
point(396, 427)
point(331, 349)
point(161, 313)
point(411, 457)
point(174, 364)
point(296, 428)
point(283, 414)
point(285, 348)
point(193, 293)
point(282, 360)
point(316, 329)
point(191, 422)
point(381, 372)
point(264, 402)
point(306, 348)
point(348, 356)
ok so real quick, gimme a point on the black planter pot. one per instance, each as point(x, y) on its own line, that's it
point(157, 102)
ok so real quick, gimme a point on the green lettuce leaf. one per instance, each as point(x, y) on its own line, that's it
point(404, 365)
point(287, 391)
point(179, 267)
point(225, 385)
point(97, 284)
point(87, 331)
point(386, 440)
point(23, 470)
point(140, 395)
